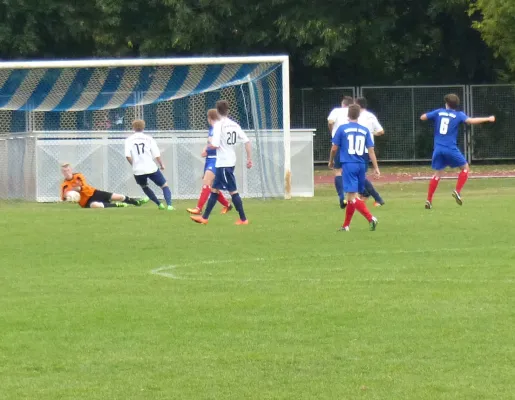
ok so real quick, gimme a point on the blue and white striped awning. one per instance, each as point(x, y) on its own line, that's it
point(94, 88)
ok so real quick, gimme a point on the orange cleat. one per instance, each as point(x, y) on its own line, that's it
point(225, 210)
point(194, 211)
point(198, 219)
point(240, 222)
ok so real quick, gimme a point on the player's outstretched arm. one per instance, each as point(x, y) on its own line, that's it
point(334, 149)
point(423, 117)
point(373, 158)
point(480, 120)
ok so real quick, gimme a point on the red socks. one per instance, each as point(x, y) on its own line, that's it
point(362, 209)
point(352, 206)
point(349, 212)
point(204, 195)
point(223, 201)
point(433, 184)
point(462, 178)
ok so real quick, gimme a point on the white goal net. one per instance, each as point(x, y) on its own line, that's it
point(80, 112)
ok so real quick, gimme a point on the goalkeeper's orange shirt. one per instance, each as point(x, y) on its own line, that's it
point(78, 180)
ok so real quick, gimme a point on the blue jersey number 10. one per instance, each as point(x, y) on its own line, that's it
point(356, 144)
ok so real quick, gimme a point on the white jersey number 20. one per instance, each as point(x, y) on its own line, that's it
point(231, 138)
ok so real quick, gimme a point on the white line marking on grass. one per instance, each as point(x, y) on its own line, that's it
point(170, 271)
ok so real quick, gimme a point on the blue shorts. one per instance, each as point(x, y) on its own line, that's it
point(446, 157)
point(225, 179)
point(337, 163)
point(354, 177)
point(210, 165)
point(156, 177)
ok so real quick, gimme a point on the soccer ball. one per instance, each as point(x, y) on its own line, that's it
point(72, 196)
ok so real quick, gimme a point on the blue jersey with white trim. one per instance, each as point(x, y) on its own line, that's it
point(353, 139)
point(447, 126)
point(211, 152)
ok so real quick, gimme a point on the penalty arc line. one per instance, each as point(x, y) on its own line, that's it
point(170, 270)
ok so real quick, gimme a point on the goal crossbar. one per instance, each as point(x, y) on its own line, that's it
point(141, 62)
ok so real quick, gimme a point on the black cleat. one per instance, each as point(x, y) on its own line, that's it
point(428, 205)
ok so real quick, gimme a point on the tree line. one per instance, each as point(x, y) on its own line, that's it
point(330, 42)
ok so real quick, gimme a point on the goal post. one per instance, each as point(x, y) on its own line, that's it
point(70, 102)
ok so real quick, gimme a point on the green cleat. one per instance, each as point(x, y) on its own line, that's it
point(162, 207)
point(373, 224)
point(121, 205)
point(170, 208)
point(142, 201)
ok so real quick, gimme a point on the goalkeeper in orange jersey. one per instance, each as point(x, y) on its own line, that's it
point(89, 196)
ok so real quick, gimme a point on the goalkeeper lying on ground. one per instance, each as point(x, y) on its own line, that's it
point(88, 196)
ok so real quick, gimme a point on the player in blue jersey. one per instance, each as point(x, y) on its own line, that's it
point(352, 139)
point(209, 171)
point(446, 152)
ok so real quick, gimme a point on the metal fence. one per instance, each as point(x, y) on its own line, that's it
point(398, 108)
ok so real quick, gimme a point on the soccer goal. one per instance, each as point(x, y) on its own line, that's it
point(81, 111)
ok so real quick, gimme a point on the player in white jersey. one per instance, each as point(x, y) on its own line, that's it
point(338, 117)
point(368, 119)
point(226, 134)
point(142, 152)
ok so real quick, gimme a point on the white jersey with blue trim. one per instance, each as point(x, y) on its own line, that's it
point(143, 149)
point(226, 134)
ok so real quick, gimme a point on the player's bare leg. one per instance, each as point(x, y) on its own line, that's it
point(462, 179)
point(433, 184)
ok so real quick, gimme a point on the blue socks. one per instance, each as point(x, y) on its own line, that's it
point(168, 195)
point(213, 198)
point(338, 184)
point(238, 204)
point(236, 201)
point(373, 192)
point(151, 195)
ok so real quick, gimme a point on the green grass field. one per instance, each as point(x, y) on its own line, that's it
point(141, 304)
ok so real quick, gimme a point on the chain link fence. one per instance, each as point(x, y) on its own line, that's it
point(310, 108)
point(399, 108)
point(493, 141)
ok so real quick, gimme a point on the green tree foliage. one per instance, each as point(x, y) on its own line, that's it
point(330, 42)
point(495, 19)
